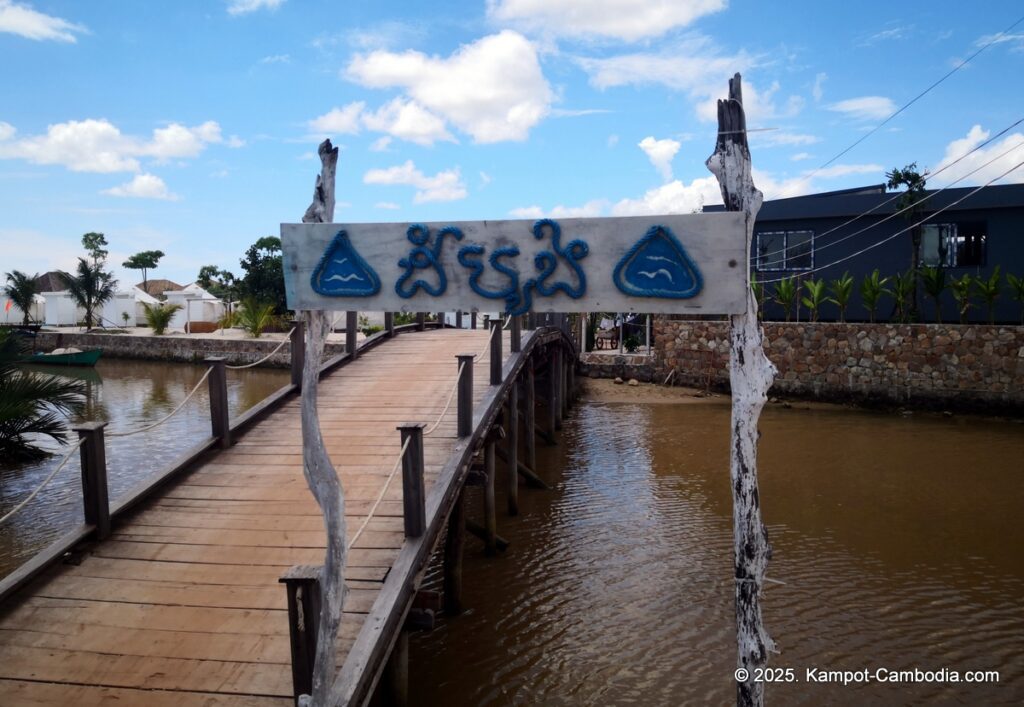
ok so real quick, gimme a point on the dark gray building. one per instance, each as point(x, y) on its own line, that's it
point(821, 236)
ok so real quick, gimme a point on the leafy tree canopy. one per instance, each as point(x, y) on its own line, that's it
point(144, 260)
point(264, 273)
point(21, 289)
point(94, 243)
point(219, 283)
point(913, 181)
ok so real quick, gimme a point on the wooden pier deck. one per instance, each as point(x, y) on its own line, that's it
point(182, 605)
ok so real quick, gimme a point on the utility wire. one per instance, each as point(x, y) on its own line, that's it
point(915, 225)
point(897, 195)
point(915, 99)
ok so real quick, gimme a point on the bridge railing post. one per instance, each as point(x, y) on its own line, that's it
point(440, 320)
point(302, 584)
point(495, 351)
point(515, 335)
point(352, 334)
point(465, 425)
point(389, 323)
point(94, 477)
point(421, 321)
point(414, 496)
point(297, 346)
point(472, 320)
point(458, 319)
point(218, 381)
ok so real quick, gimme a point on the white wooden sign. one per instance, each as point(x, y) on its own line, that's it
point(664, 264)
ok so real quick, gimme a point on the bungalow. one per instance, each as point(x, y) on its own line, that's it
point(821, 236)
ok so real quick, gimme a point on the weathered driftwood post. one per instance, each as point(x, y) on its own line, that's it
point(320, 474)
point(751, 375)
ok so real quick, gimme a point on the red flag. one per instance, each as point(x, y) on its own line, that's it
point(7, 307)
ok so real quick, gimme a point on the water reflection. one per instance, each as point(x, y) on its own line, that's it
point(129, 395)
point(896, 538)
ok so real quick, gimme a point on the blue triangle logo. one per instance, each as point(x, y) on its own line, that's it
point(342, 272)
point(658, 266)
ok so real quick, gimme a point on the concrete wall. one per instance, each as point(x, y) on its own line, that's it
point(934, 365)
point(177, 348)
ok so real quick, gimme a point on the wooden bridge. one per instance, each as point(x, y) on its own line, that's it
point(177, 599)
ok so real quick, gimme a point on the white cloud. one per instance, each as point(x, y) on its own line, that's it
point(388, 205)
point(842, 170)
point(776, 138)
point(485, 179)
point(590, 209)
point(446, 185)
point(1015, 39)
point(661, 153)
point(621, 19)
point(865, 107)
point(143, 186)
point(339, 120)
point(409, 121)
point(24, 21)
point(381, 144)
point(818, 89)
point(801, 156)
point(613, 140)
point(99, 146)
point(492, 89)
point(244, 7)
point(234, 142)
point(276, 59)
point(672, 198)
point(975, 136)
point(698, 69)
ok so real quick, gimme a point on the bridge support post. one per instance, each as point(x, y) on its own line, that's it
point(472, 320)
point(298, 351)
point(421, 321)
point(495, 351)
point(351, 334)
point(454, 543)
point(302, 584)
point(396, 673)
point(465, 393)
point(440, 320)
point(564, 391)
point(218, 381)
point(458, 319)
point(414, 496)
point(554, 407)
point(94, 477)
point(490, 509)
point(512, 435)
point(389, 323)
point(530, 415)
point(516, 335)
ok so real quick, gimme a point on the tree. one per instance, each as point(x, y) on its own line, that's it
point(93, 242)
point(159, 316)
point(872, 288)
point(91, 287)
point(21, 289)
point(31, 405)
point(264, 273)
point(219, 283)
point(842, 290)
point(914, 182)
point(144, 260)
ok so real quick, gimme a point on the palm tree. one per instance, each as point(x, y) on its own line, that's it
point(21, 289)
point(31, 404)
point(159, 316)
point(91, 287)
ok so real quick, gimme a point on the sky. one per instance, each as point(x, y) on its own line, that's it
point(191, 127)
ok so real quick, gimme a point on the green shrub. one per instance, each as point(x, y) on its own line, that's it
point(934, 281)
point(159, 316)
point(842, 290)
point(785, 295)
point(254, 316)
point(872, 288)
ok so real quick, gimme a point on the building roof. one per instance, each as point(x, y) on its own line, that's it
point(875, 200)
point(159, 286)
point(50, 282)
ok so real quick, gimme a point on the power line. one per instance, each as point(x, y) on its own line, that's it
point(915, 225)
point(915, 99)
point(896, 196)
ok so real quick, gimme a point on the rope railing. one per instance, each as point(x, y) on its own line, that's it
point(451, 396)
point(380, 496)
point(47, 480)
point(169, 415)
point(266, 358)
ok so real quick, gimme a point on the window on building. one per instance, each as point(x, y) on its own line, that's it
point(953, 245)
point(785, 250)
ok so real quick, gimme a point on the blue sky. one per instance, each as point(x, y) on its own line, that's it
point(191, 127)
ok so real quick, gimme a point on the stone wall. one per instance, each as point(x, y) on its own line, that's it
point(183, 349)
point(930, 365)
point(614, 365)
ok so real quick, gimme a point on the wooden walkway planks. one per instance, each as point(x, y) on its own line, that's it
point(182, 604)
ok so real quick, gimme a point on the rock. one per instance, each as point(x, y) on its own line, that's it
point(618, 381)
point(633, 382)
point(773, 400)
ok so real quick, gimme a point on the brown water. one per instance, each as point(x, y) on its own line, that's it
point(899, 541)
point(129, 395)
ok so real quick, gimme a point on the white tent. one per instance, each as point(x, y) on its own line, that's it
point(126, 302)
point(61, 310)
point(197, 304)
point(12, 314)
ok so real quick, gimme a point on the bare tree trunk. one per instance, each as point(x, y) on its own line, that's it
point(320, 474)
point(751, 375)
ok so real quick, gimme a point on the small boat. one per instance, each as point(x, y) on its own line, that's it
point(67, 357)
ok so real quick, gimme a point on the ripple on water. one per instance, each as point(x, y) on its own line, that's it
point(618, 586)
